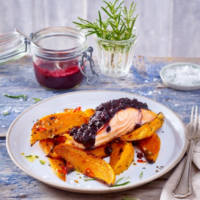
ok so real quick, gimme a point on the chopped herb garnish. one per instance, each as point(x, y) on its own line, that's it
point(129, 198)
point(62, 174)
point(116, 183)
point(16, 97)
point(31, 158)
point(42, 162)
point(141, 175)
point(89, 179)
point(6, 113)
point(36, 100)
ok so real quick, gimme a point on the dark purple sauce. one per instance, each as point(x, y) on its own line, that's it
point(108, 150)
point(103, 113)
point(49, 75)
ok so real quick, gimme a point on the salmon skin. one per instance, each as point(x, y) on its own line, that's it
point(111, 120)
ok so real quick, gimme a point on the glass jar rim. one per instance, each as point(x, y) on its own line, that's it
point(135, 31)
point(67, 53)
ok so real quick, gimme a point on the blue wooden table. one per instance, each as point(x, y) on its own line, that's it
point(17, 78)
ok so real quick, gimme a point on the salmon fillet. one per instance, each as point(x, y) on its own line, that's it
point(121, 123)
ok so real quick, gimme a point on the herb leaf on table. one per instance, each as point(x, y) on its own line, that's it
point(16, 97)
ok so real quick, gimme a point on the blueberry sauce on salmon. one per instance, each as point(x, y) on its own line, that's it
point(103, 114)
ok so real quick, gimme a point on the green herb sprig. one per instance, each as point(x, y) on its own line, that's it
point(117, 185)
point(129, 198)
point(6, 113)
point(16, 97)
point(118, 26)
point(36, 100)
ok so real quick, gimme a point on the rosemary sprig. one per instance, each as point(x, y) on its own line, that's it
point(89, 179)
point(36, 100)
point(16, 97)
point(117, 185)
point(129, 198)
point(141, 175)
point(6, 113)
point(118, 26)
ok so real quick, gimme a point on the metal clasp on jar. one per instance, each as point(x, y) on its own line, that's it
point(85, 57)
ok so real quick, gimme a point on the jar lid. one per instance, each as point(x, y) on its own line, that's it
point(58, 43)
point(12, 47)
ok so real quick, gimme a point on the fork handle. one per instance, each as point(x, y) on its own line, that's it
point(183, 188)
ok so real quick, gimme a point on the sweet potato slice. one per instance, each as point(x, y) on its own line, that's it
point(121, 157)
point(100, 151)
point(58, 167)
point(69, 167)
point(55, 124)
point(151, 147)
point(47, 146)
point(147, 130)
point(89, 112)
point(86, 163)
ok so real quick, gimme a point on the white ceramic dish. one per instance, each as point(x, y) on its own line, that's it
point(177, 86)
point(172, 135)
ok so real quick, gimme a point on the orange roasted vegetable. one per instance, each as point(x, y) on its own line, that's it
point(88, 112)
point(69, 167)
point(146, 130)
point(58, 167)
point(151, 147)
point(47, 146)
point(121, 157)
point(55, 124)
point(87, 163)
point(100, 151)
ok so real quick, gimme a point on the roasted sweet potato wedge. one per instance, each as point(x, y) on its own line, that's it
point(122, 156)
point(58, 167)
point(55, 124)
point(87, 163)
point(69, 167)
point(89, 112)
point(47, 146)
point(151, 147)
point(147, 130)
point(100, 151)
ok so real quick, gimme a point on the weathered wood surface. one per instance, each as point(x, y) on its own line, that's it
point(167, 27)
point(18, 78)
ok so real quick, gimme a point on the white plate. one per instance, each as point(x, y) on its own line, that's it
point(172, 135)
point(173, 85)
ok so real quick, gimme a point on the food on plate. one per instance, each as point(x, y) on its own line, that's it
point(101, 151)
point(55, 124)
point(122, 156)
point(86, 163)
point(147, 130)
point(151, 147)
point(58, 166)
point(77, 140)
point(111, 120)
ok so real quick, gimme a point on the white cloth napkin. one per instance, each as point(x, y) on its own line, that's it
point(195, 178)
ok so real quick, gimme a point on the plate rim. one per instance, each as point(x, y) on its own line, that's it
point(92, 190)
point(176, 86)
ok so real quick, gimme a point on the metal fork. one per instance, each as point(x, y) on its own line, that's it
point(183, 188)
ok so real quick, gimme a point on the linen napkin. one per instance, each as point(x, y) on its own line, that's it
point(195, 178)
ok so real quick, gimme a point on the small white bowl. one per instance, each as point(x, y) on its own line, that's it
point(177, 86)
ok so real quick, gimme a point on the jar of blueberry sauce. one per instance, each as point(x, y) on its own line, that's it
point(59, 56)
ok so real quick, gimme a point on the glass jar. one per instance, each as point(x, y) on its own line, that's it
point(115, 57)
point(59, 56)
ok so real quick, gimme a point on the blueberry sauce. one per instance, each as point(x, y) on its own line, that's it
point(108, 129)
point(103, 114)
point(108, 150)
